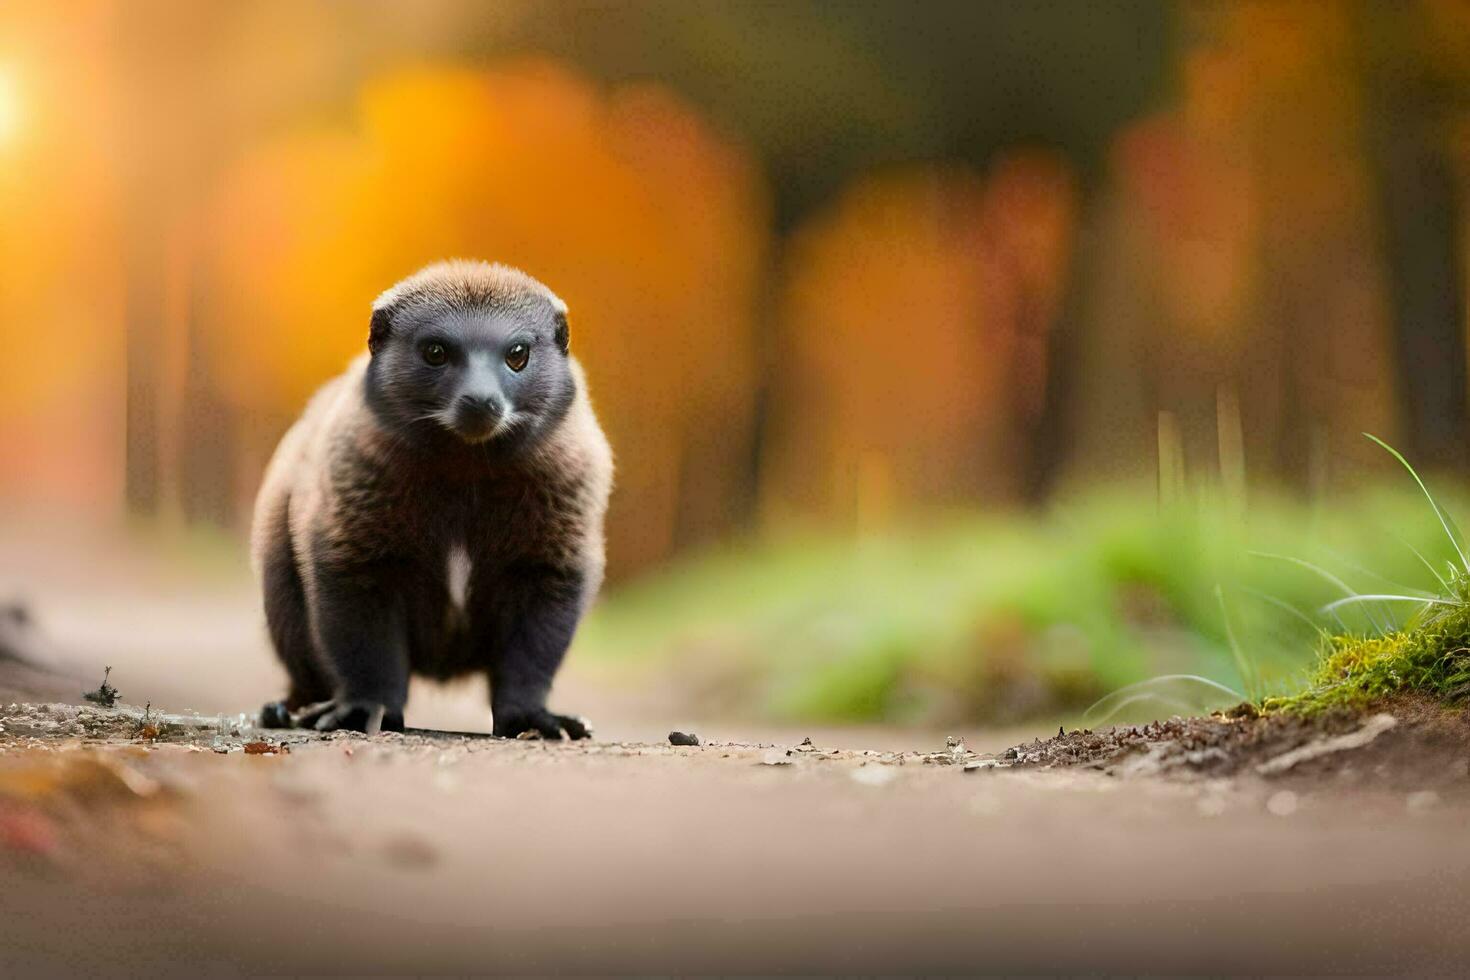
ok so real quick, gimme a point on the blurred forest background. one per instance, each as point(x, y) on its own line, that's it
point(839, 272)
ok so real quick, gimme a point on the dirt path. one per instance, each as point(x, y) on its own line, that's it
point(409, 853)
point(120, 854)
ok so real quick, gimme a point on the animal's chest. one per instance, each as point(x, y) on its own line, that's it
point(442, 529)
point(471, 536)
point(457, 562)
point(458, 566)
point(467, 570)
point(461, 533)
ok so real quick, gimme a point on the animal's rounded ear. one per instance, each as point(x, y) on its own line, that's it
point(562, 334)
point(380, 327)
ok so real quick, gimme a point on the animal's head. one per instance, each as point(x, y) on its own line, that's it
point(472, 349)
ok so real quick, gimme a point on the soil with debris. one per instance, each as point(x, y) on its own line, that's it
point(1409, 742)
point(50, 727)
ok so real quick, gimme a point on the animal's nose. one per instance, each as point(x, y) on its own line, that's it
point(480, 406)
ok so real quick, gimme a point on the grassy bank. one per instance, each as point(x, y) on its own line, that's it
point(993, 618)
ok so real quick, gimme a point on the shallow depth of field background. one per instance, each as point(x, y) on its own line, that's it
point(956, 357)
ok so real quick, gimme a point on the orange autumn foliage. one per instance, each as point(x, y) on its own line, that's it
point(918, 309)
point(61, 288)
point(650, 224)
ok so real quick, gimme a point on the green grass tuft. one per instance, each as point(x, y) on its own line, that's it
point(1429, 656)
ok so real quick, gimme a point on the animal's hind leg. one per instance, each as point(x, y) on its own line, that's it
point(290, 632)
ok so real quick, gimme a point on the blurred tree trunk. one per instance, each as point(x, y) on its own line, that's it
point(144, 314)
point(1051, 436)
point(1409, 109)
point(1102, 400)
point(168, 138)
point(149, 86)
point(1422, 234)
point(209, 447)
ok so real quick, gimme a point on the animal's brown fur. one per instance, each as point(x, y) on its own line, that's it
point(348, 499)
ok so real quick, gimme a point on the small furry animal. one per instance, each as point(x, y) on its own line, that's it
point(437, 509)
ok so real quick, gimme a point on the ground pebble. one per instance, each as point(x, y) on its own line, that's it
point(1422, 801)
point(1282, 803)
point(1211, 804)
point(410, 853)
point(873, 775)
point(683, 738)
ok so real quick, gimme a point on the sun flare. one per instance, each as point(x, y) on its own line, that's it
point(9, 105)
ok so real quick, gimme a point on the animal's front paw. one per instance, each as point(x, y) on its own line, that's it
point(358, 716)
point(514, 722)
point(274, 714)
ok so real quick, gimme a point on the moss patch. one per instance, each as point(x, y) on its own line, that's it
point(1430, 657)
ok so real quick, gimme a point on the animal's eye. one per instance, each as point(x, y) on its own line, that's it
point(436, 355)
point(517, 356)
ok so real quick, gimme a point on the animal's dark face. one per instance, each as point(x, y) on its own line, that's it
point(493, 375)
